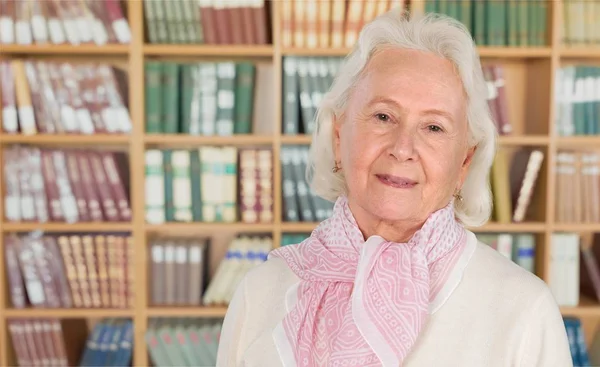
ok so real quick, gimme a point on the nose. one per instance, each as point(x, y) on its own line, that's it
point(403, 144)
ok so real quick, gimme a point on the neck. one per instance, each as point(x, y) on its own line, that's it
point(394, 231)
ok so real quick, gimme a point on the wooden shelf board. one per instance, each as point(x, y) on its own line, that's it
point(173, 139)
point(217, 311)
point(578, 141)
point(203, 227)
point(523, 140)
point(296, 139)
point(66, 227)
point(69, 312)
point(503, 52)
point(576, 227)
point(515, 52)
point(586, 307)
point(580, 52)
point(534, 227)
point(116, 49)
point(208, 50)
point(298, 227)
point(64, 139)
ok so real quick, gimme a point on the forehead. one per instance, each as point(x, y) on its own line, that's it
point(414, 77)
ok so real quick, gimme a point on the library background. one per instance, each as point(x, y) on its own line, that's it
point(153, 152)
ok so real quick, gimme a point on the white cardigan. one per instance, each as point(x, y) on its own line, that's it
point(498, 315)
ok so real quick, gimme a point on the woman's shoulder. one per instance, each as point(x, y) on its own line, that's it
point(493, 274)
point(270, 276)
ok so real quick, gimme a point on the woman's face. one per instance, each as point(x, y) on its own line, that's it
point(402, 141)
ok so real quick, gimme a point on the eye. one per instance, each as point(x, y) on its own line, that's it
point(434, 128)
point(382, 117)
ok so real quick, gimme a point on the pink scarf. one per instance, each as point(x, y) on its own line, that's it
point(363, 303)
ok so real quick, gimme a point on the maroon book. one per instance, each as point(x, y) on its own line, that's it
point(117, 186)
point(77, 185)
point(107, 200)
point(89, 188)
point(15, 280)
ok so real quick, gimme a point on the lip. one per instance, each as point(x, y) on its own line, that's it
point(396, 181)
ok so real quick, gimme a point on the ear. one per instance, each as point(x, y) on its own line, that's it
point(336, 126)
point(464, 169)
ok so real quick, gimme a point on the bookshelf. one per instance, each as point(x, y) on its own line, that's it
point(534, 126)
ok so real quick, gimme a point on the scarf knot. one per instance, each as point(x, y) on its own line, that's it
point(360, 302)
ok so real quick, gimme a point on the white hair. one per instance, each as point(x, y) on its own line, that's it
point(442, 36)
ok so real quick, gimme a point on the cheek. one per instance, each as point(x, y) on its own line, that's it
point(358, 152)
point(442, 170)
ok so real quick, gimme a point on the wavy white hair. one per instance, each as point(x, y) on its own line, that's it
point(442, 36)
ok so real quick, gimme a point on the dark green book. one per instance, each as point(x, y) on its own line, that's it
point(170, 97)
point(152, 90)
point(244, 97)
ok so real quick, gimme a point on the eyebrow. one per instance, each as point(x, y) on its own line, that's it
point(431, 111)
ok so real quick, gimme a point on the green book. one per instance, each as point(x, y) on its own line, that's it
point(244, 97)
point(170, 97)
point(226, 75)
point(186, 83)
point(512, 20)
point(182, 187)
point(168, 168)
point(152, 88)
point(479, 22)
point(196, 185)
point(466, 16)
point(154, 187)
point(522, 22)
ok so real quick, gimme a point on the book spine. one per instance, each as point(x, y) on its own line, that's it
point(10, 122)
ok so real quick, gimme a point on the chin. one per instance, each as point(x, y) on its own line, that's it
point(392, 206)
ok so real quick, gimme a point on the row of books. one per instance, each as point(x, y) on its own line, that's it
point(38, 342)
point(497, 101)
point(70, 271)
point(577, 100)
point(178, 271)
point(577, 344)
point(109, 344)
point(329, 23)
point(205, 98)
point(47, 342)
point(243, 254)
point(183, 342)
point(209, 184)
point(208, 21)
point(581, 23)
point(300, 203)
point(513, 182)
point(520, 248)
point(51, 97)
point(574, 267)
point(60, 22)
point(305, 81)
point(578, 186)
point(499, 23)
point(65, 185)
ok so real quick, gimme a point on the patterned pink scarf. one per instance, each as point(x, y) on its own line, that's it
point(363, 303)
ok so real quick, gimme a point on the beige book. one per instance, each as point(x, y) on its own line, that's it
point(353, 22)
point(311, 23)
point(501, 187)
point(92, 271)
point(102, 266)
point(81, 269)
point(196, 262)
point(338, 17)
point(70, 270)
point(287, 23)
point(23, 94)
point(325, 19)
point(299, 23)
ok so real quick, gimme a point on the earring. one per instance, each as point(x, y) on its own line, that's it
point(336, 168)
point(458, 196)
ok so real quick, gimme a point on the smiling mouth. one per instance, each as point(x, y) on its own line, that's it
point(397, 182)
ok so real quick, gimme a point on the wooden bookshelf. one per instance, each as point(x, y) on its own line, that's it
point(532, 112)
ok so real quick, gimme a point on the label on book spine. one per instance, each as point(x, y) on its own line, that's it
point(12, 209)
point(23, 33)
point(27, 120)
point(85, 34)
point(38, 24)
point(7, 32)
point(109, 116)
point(124, 120)
point(57, 36)
point(9, 119)
point(71, 30)
point(100, 36)
point(122, 31)
point(86, 125)
point(68, 118)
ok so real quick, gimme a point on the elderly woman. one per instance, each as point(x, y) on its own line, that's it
point(403, 145)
